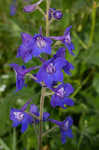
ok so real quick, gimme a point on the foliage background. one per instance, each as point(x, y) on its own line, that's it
point(84, 17)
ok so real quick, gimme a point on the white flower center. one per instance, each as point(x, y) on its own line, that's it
point(41, 43)
point(50, 68)
point(61, 92)
point(19, 116)
point(67, 38)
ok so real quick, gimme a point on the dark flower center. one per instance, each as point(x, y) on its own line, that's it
point(60, 92)
point(41, 43)
point(19, 116)
point(67, 38)
point(50, 68)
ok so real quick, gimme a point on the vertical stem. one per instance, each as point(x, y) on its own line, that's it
point(93, 24)
point(43, 90)
point(41, 116)
point(47, 21)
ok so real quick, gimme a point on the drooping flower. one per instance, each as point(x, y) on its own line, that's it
point(65, 128)
point(18, 116)
point(41, 44)
point(21, 71)
point(60, 98)
point(51, 71)
point(66, 39)
point(34, 110)
point(67, 66)
point(32, 7)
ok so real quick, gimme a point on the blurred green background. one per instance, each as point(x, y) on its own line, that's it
point(83, 15)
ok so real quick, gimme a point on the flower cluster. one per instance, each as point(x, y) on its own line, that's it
point(50, 75)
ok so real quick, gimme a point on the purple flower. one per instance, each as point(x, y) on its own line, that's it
point(32, 7)
point(60, 98)
point(13, 8)
point(57, 14)
point(21, 71)
point(51, 71)
point(18, 116)
point(41, 44)
point(66, 39)
point(64, 128)
point(25, 51)
point(67, 66)
point(50, 13)
point(34, 110)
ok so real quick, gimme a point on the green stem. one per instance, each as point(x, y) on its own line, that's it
point(47, 20)
point(83, 83)
point(41, 116)
point(43, 91)
point(50, 130)
point(93, 16)
point(80, 41)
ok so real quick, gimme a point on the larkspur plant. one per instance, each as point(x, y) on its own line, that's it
point(49, 76)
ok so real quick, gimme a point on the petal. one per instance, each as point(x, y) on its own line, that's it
point(33, 108)
point(19, 82)
point(69, 133)
point(63, 136)
point(45, 116)
point(58, 76)
point(26, 37)
point(59, 63)
point(49, 80)
point(67, 30)
point(68, 101)
point(30, 8)
point(69, 89)
point(55, 101)
point(24, 126)
point(68, 67)
point(16, 123)
point(70, 47)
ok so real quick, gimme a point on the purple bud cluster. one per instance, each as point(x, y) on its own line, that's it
point(50, 75)
point(55, 14)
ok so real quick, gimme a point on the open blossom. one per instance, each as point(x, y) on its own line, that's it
point(60, 98)
point(33, 46)
point(41, 44)
point(65, 128)
point(18, 116)
point(21, 71)
point(66, 40)
point(51, 71)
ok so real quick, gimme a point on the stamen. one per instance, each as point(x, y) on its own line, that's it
point(50, 68)
point(60, 92)
point(40, 42)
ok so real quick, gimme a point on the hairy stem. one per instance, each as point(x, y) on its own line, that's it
point(41, 116)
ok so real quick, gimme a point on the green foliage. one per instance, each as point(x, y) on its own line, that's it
point(85, 76)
